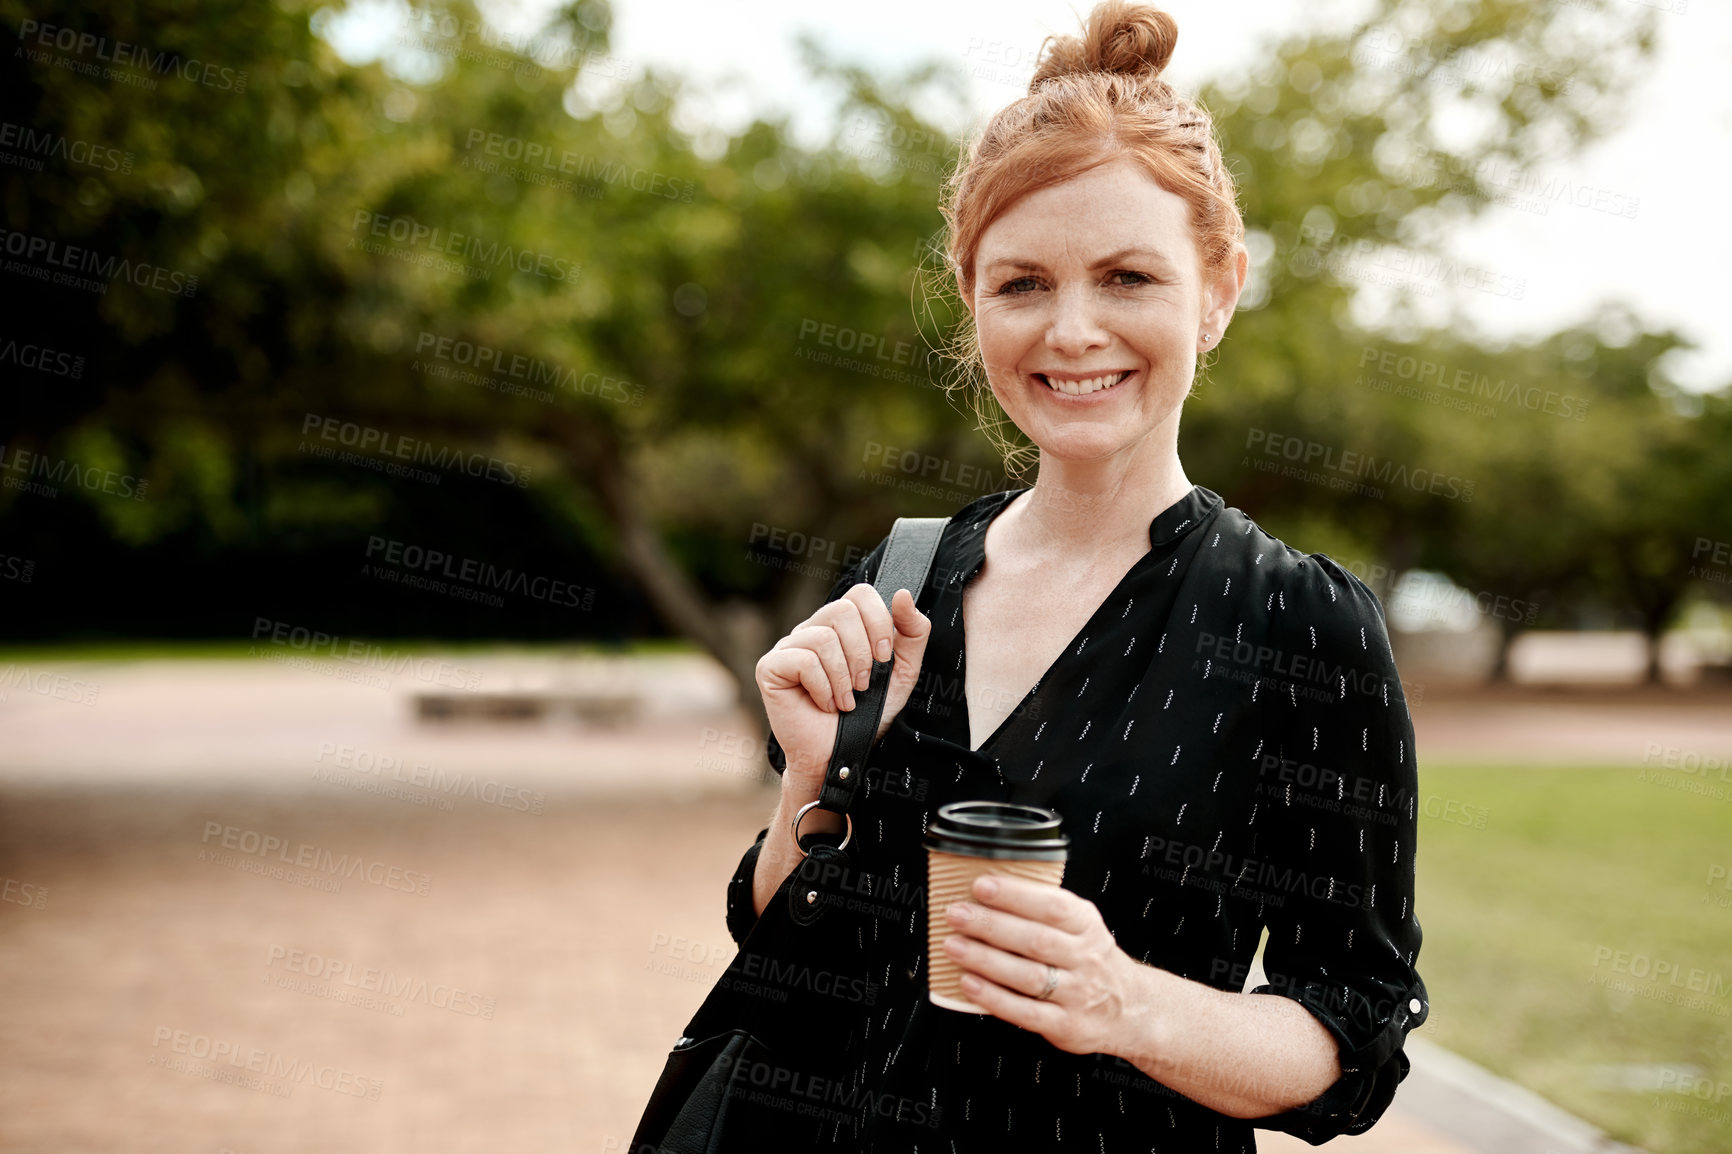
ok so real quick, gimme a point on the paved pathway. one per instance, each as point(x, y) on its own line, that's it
point(571, 919)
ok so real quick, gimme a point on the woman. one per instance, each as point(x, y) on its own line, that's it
point(1216, 715)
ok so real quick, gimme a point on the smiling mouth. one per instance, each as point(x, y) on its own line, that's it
point(1085, 385)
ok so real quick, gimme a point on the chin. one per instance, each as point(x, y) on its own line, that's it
point(1082, 445)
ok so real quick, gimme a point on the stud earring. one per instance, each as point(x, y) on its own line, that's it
point(1207, 338)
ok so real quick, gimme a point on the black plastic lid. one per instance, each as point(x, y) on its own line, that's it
point(998, 829)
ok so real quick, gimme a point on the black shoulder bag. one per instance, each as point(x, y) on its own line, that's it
point(757, 1064)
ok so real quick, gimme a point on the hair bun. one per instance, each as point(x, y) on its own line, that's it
point(1122, 37)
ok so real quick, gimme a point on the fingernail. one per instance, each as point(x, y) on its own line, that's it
point(884, 650)
point(960, 912)
point(848, 700)
point(986, 887)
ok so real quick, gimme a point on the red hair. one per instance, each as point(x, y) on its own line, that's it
point(1093, 100)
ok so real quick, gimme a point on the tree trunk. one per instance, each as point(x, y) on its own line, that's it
point(1654, 630)
point(736, 634)
point(1507, 632)
point(1655, 613)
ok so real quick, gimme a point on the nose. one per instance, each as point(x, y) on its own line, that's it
point(1075, 327)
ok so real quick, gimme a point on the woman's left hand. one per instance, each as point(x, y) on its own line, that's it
point(1007, 936)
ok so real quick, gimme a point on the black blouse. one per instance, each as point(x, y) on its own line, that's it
point(1229, 746)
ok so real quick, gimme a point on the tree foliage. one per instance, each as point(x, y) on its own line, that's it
point(681, 353)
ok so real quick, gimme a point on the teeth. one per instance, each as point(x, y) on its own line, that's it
point(1084, 387)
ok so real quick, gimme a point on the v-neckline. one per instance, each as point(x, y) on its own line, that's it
point(1085, 631)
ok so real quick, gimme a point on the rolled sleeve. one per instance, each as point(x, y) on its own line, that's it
point(1338, 810)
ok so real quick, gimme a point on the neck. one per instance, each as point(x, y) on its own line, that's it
point(1086, 508)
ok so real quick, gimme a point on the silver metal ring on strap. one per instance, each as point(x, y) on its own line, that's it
point(848, 832)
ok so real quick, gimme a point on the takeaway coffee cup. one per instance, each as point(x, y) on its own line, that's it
point(965, 840)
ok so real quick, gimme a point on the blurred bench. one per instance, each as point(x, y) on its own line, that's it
point(597, 707)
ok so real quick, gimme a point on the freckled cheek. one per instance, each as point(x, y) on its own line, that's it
point(1007, 359)
point(1008, 343)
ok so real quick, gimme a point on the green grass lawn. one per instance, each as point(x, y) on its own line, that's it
point(1580, 882)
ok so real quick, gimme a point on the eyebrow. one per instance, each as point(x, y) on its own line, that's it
point(1110, 259)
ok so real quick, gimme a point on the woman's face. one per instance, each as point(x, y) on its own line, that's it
point(1090, 308)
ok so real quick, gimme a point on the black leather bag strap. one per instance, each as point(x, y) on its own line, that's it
point(907, 562)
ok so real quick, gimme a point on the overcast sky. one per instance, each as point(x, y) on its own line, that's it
point(1670, 157)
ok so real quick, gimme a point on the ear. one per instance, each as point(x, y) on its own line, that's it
point(1221, 296)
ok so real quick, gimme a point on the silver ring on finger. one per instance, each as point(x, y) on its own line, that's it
point(1051, 984)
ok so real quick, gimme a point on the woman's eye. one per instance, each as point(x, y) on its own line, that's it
point(1134, 278)
point(1010, 288)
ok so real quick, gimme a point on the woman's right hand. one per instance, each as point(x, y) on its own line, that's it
point(812, 674)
